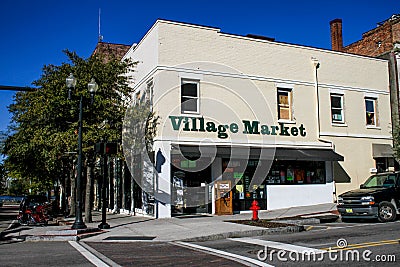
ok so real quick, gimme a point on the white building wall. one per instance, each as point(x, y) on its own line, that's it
point(146, 55)
point(216, 170)
point(183, 43)
point(163, 182)
point(284, 196)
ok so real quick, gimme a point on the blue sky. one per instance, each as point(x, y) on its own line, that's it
point(34, 33)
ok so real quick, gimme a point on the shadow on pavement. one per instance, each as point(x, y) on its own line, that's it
point(130, 223)
point(3, 235)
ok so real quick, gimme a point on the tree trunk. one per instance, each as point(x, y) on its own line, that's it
point(132, 191)
point(72, 197)
point(116, 186)
point(123, 185)
point(88, 196)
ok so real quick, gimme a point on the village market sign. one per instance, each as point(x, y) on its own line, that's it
point(198, 124)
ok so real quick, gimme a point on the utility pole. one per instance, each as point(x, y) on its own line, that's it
point(17, 88)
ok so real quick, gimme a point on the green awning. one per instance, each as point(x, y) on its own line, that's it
point(304, 154)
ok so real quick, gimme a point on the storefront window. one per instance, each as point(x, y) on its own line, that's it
point(296, 172)
point(281, 172)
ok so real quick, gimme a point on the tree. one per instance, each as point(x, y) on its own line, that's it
point(140, 129)
point(45, 123)
point(3, 178)
point(3, 174)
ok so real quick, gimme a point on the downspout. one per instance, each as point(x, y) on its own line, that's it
point(316, 66)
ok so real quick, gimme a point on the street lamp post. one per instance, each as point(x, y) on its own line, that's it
point(92, 87)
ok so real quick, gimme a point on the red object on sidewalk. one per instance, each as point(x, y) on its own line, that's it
point(255, 208)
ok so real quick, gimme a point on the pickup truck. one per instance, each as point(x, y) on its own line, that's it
point(378, 198)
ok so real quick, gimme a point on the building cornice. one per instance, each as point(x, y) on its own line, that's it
point(257, 78)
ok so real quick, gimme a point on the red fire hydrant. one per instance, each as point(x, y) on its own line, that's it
point(255, 208)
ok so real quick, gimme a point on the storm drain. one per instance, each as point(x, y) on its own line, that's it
point(130, 238)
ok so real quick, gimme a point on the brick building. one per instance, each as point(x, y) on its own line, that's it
point(375, 42)
point(110, 50)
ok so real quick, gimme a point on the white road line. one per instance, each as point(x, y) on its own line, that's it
point(231, 256)
point(99, 255)
point(344, 227)
point(93, 259)
point(278, 245)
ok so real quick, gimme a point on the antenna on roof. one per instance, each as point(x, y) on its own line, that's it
point(100, 37)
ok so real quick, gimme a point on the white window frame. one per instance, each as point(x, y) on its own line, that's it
point(289, 91)
point(341, 96)
point(375, 118)
point(197, 83)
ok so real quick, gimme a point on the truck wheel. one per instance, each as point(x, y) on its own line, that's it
point(386, 212)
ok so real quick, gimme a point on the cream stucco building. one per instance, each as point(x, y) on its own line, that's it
point(284, 124)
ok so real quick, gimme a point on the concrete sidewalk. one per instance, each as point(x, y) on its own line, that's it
point(124, 228)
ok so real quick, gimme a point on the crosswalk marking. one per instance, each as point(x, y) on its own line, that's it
point(84, 250)
point(278, 245)
point(225, 254)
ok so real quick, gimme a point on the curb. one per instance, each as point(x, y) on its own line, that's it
point(65, 235)
point(310, 219)
point(299, 221)
point(247, 233)
point(37, 238)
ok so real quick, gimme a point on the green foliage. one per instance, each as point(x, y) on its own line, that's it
point(3, 173)
point(45, 123)
point(151, 130)
point(396, 142)
point(140, 125)
point(18, 187)
point(3, 178)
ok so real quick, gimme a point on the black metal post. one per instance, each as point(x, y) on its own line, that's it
point(104, 224)
point(79, 224)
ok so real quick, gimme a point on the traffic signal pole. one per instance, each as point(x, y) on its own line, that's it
point(104, 149)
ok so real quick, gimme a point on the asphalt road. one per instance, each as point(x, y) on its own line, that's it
point(53, 253)
point(41, 254)
point(7, 215)
point(334, 244)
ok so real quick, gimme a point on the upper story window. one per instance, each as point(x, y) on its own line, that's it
point(370, 111)
point(137, 98)
point(284, 104)
point(337, 108)
point(190, 96)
